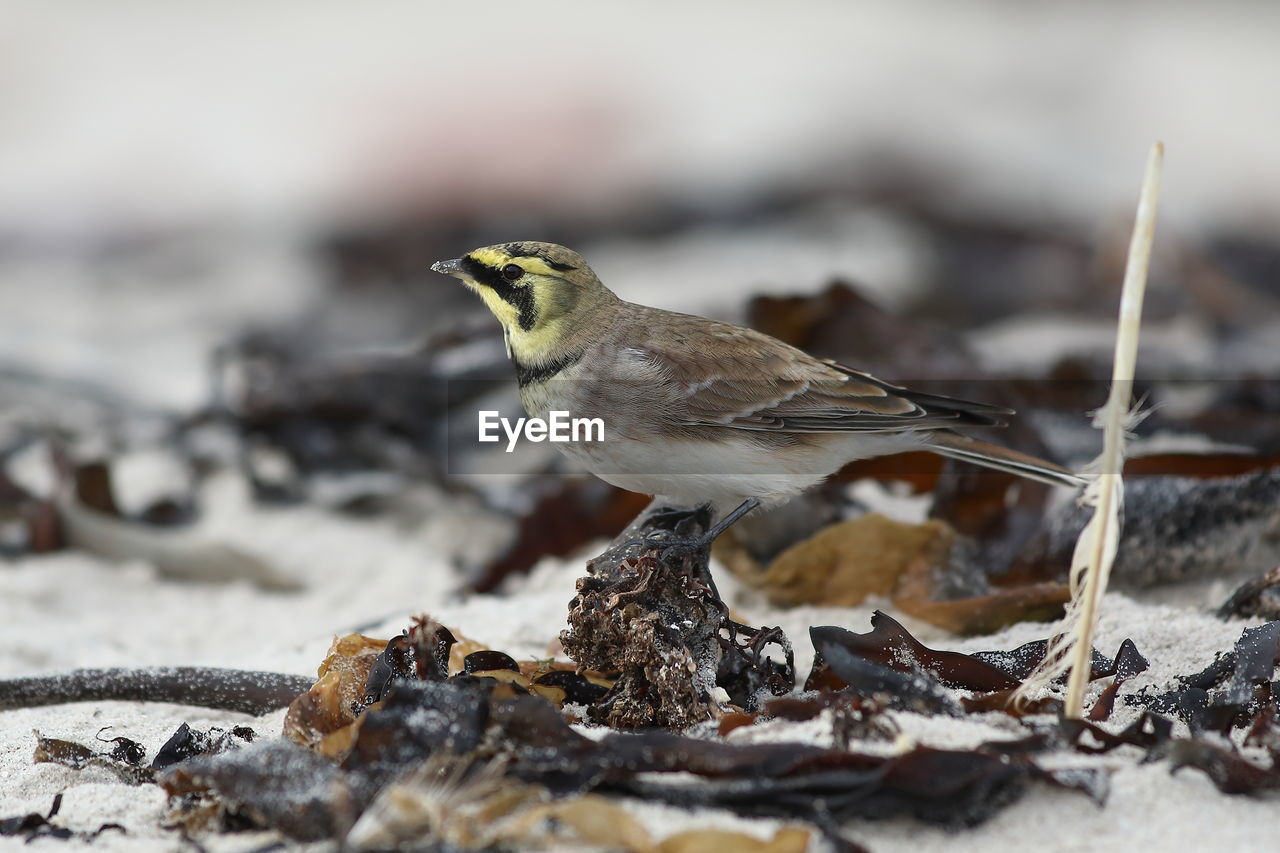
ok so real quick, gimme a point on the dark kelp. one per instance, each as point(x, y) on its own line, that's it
point(1258, 598)
point(33, 825)
point(889, 644)
point(1228, 693)
point(246, 691)
point(421, 719)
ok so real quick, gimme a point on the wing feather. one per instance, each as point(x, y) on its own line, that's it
point(718, 374)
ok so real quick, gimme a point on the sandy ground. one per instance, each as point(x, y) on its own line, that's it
point(73, 610)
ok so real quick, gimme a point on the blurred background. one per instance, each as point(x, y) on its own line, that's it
point(223, 213)
point(173, 173)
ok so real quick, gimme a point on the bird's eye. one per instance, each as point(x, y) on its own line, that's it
point(511, 272)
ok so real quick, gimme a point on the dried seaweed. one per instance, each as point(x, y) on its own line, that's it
point(417, 712)
point(1150, 732)
point(999, 510)
point(887, 663)
point(1265, 732)
point(843, 324)
point(246, 691)
point(987, 613)
point(665, 674)
point(845, 562)
point(124, 760)
point(1228, 770)
point(853, 717)
point(1019, 662)
point(915, 690)
point(746, 672)
point(273, 784)
point(489, 659)
point(1229, 692)
point(461, 803)
point(127, 750)
point(187, 742)
point(333, 415)
point(652, 616)
point(431, 643)
point(420, 721)
point(34, 825)
point(77, 757)
point(578, 688)
point(928, 571)
point(890, 645)
point(1257, 598)
point(1105, 703)
point(1177, 528)
point(948, 787)
point(453, 803)
point(1005, 702)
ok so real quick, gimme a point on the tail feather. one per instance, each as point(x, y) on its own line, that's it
point(968, 449)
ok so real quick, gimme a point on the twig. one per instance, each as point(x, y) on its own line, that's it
point(1096, 548)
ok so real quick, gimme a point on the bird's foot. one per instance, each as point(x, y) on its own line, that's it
point(670, 518)
point(665, 524)
point(684, 547)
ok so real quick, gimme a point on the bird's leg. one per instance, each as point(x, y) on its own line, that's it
point(688, 546)
point(668, 517)
point(672, 548)
point(663, 524)
point(728, 521)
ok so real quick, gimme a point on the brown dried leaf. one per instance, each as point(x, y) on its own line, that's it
point(986, 614)
point(846, 562)
point(788, 839)
point(594, 821)
point(330, 704)
point(735, 720)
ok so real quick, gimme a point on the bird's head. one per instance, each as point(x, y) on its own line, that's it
point(540, 292)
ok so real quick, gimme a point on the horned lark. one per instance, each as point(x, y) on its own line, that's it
point(698, 412)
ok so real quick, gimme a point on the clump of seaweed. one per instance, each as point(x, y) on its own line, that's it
point(655, 618)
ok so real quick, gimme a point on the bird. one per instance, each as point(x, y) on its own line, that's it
point(700, 413)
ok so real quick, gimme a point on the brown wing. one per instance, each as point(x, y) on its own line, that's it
point(718, 374)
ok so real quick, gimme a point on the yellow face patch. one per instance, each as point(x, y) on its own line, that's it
point(506, 313)
point(540, 280)
point(498, 259)
point(491, 257)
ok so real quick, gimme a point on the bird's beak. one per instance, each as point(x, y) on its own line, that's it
point(453, 267)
